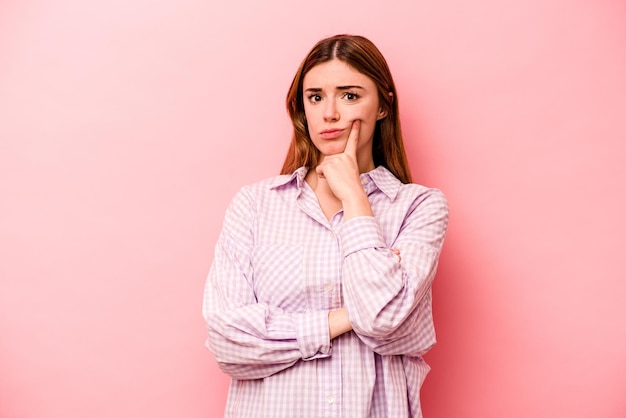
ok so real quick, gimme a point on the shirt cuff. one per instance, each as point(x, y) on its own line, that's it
point(313, 335)
point(360, 233)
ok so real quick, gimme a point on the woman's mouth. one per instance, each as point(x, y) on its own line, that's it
point(331, 133)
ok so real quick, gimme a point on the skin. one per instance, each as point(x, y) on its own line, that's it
point(342, 108)
point(339, 99)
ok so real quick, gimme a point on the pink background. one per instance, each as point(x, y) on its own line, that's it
point(127, 126)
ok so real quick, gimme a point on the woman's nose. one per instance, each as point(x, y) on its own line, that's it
point(330, 111)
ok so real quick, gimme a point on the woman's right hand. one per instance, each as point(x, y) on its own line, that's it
point(338, 322)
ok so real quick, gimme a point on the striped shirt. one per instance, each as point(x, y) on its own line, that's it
point(280, 266)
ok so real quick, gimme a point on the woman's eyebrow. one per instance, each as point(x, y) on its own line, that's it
point(349, 87)
point(317, 89)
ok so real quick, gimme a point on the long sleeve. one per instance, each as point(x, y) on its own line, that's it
point(252, 340)
point(389, 301)
point(281, 266)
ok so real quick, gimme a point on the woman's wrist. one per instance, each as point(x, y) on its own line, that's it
point(338, 322)
point(357, 205)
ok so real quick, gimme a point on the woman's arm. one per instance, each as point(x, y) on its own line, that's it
point(388, 298)
point(252, 340)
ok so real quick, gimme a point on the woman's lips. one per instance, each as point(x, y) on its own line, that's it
point(331, 133)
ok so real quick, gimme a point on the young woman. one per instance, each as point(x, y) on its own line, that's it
point(318, 302)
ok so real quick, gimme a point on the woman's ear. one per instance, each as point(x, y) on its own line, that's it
point(382, 113)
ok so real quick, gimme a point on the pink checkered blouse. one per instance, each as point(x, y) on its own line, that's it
point(280, 266)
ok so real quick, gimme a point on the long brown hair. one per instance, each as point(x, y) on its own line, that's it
point(362, 55)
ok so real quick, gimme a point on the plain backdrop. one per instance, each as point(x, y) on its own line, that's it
point(127, 126)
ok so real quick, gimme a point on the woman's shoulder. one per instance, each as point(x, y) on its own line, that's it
point(269, 183)
point(420, 189)
point(420, 192)
point(266, 188)
point(249, 198)
point(424, 199)
point(395, 189)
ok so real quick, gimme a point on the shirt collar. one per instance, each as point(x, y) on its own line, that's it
point(382, 179)
point(379, 178)
point(297, 176)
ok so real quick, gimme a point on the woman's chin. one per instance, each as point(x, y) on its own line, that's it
point(332, 149)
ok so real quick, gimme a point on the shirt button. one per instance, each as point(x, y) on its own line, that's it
point(331, 234)
point(330, 399)
point(329, 287)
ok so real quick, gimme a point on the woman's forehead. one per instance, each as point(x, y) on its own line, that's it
point(335, 73)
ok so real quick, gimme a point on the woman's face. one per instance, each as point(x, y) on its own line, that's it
point(335, 95)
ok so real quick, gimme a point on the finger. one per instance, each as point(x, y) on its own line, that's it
point(397, 253)
point(320, 171)
point(353, 139)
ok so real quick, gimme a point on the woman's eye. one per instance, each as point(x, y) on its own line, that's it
point(350, 96)
point(315, 98)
